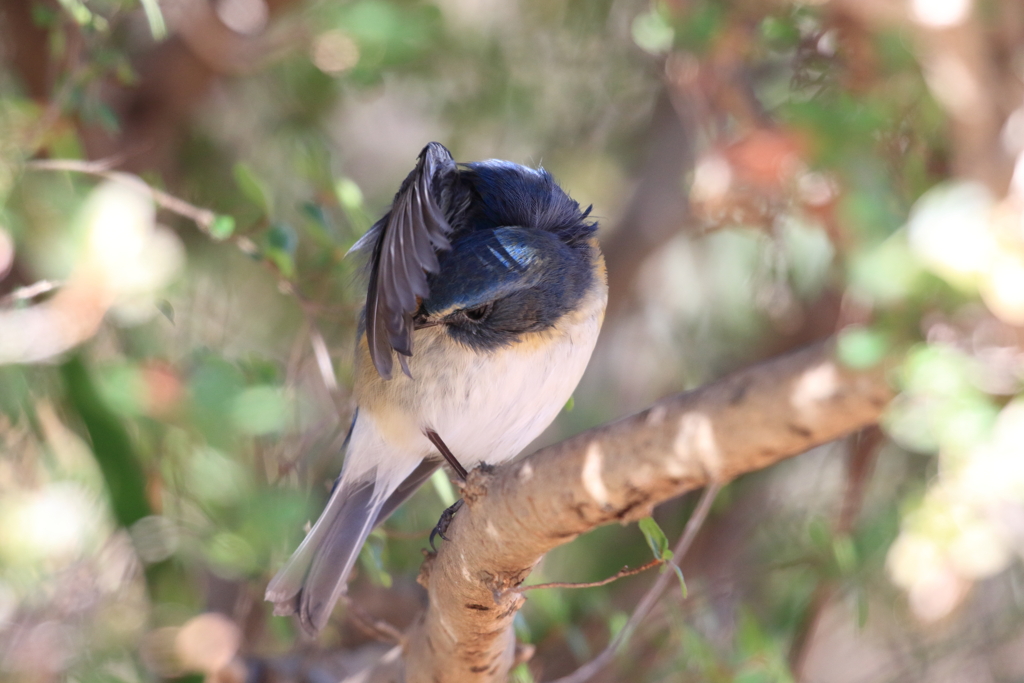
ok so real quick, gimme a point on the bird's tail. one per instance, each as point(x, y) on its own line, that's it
point(315, 575)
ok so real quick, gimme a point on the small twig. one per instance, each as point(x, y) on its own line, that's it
point(323, 359)
point(591, 668)
point(378, 628)
point(30, 291)
point(622, 573)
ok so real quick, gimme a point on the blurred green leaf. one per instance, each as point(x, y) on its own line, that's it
point(166, 309)
point(820, 535)
point(223, 227)
point(282, 260)
point(656, 538)
point(78, 11)
point(845, 554)
point(652, 33)
point(521, 674)
point(254, 189)
point(123, 388)
point(863, 607)
point(698, 26)
point(885, 274)
point(213, 385)
point(349, 195)
point(111, 445)
point(682, 580)
point(282, 236)
point(216, 479)
point(779, 32)
point(860, 347)
point(231, 556)
point(261, 410)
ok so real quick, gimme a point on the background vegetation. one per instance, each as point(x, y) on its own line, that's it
point(175, 344)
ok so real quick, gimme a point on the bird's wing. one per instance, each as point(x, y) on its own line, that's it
point(405, 245)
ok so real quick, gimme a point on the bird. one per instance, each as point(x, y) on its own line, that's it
point(488, 286)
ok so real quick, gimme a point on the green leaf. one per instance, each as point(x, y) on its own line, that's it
point(521, 674)
point(104, 115)
point(78, 11)
point(111, 445)
point(252, 187)
point(570, 404)
point(652, 33)
point(261, 410)
point(222, 227)
point(165, 307)
point(859, 347)
point(862, 608)
point(349, 195)
point(283, 236)
point(656, 538)
point(283, 261)
point(231, 556)
point(682, 581)
point(845, 554)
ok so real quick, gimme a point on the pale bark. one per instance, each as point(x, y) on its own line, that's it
point(614, 473)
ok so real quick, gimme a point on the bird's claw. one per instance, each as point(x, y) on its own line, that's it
point(444, 522)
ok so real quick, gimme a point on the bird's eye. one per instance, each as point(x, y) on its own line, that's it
point(479, 313)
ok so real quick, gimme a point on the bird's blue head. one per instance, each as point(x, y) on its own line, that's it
point(521, 258)
point(489, 250)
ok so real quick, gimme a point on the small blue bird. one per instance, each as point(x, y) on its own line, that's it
point(487, 283)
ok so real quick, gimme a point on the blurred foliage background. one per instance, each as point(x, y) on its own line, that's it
point(181, 179)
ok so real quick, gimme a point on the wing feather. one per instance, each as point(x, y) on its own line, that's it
point(405, 250)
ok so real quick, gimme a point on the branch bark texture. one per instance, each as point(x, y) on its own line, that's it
point(614, 473)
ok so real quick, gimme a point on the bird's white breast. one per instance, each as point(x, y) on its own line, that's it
point(486, 405)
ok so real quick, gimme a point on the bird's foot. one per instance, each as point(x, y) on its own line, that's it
point(444, 522)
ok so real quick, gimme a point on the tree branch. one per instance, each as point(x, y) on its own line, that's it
point(614, 473)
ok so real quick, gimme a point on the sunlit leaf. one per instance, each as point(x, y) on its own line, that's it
point(656, 538)
point(682, 581)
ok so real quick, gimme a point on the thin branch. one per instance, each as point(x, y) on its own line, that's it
point(103, 168)
point(591, 668)
point(323, 357)
point(30, 291)
point(622, 573)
